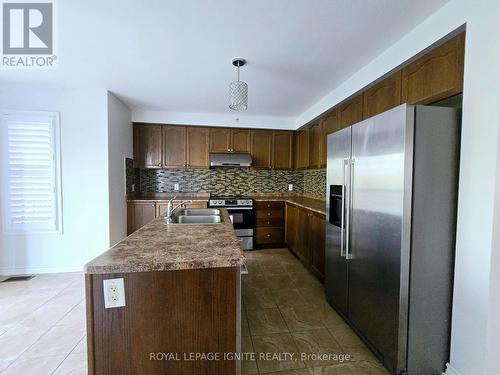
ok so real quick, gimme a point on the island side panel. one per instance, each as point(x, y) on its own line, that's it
point(186, 311)
point(89, 303)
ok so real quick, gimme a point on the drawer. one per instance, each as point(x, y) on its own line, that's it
point(269, 214)
point(268, 235)
point(269, 205)
point(269, 222)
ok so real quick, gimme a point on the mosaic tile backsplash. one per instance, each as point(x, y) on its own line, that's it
point(230, 181)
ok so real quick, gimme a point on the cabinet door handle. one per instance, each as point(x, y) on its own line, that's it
point(159, 164)
point(268, 222)
point(268, 214)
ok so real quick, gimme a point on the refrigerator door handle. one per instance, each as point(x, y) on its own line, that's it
point(342, 217)
point(348, 254)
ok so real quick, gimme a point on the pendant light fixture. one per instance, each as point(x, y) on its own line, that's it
point(238, 90)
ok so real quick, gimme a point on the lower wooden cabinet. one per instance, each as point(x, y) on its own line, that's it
point(317, 243)
point(305, 237)
point(139, 214)
point(142, 212)
point(269, 223)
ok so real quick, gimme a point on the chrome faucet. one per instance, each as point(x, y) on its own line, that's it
point(171, 209)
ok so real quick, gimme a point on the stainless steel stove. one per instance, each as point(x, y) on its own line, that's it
point(241, 212)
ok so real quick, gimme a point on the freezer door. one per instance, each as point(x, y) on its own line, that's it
point(339, 153)
point(378, 198)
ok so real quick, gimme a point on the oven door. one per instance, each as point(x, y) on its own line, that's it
point(243, 219)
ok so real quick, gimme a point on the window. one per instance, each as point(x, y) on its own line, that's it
point(30, 167)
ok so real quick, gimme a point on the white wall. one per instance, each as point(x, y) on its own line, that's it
point(119, 147)
point(213, 119)
point(84, 154)
point(475, 305)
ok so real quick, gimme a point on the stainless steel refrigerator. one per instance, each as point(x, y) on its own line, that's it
point(392, 184)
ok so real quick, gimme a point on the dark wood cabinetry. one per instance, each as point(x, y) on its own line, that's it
point(220, 139)
point(147, 146)
point(139, 214)
point(229, 140)
point(182, 311)
point(383, 96)
point(174, 146)
point(305, 237)
point(282, 150)
point(314, 146)
point(317, 242)
point(269, 223)
point(262, 148)
point(436, 75)
point(329, 124)
point(170, 146)
point(350, 112)
point(240, 140)
point(197, 144)
point(272, 149)
point(302, 149)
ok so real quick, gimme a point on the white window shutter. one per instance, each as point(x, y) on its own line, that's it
point(30, 169)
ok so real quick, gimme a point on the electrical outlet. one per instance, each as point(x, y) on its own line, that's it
point(114, 293)
point(290, 187)
point(176, 187)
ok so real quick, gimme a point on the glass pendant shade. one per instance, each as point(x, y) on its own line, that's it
point(238, 95)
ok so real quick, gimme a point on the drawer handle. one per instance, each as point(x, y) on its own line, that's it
point(268, 235)
point(268, 214)
point(268, 222)
point(268, 205)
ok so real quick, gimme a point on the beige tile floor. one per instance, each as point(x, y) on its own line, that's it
point(285, 311)
point(42, 323)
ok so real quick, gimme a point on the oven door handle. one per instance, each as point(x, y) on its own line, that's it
point(236, 208)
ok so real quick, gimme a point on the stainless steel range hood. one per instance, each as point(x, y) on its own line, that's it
point(230, 160)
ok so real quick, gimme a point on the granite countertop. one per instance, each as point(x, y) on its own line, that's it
point(161, 247)
point(315, 205)
point(138, 197)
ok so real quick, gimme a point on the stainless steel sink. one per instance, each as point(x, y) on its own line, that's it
point(198, 212)
point(196, 219)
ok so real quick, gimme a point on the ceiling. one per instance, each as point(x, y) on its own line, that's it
point(176, 56)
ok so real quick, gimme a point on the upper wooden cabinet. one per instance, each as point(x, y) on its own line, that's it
point(436, 75)
point(229, 140)
point(314, 145)
point(302, 149)
point(220, 139)
point(261, 148)
point(240, 140)
point(197, 147)
point(272, 149)
point(351, 112)
point(147, 146)
point(174, 146)
point(329, 124)
point(383, 96)
point(282, 150)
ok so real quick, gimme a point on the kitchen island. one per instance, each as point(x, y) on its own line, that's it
point(182, 301)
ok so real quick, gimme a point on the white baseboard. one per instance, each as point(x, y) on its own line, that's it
point(450, 370)
point(37, 270)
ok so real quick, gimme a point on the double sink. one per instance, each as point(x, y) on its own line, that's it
point(197, 216)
